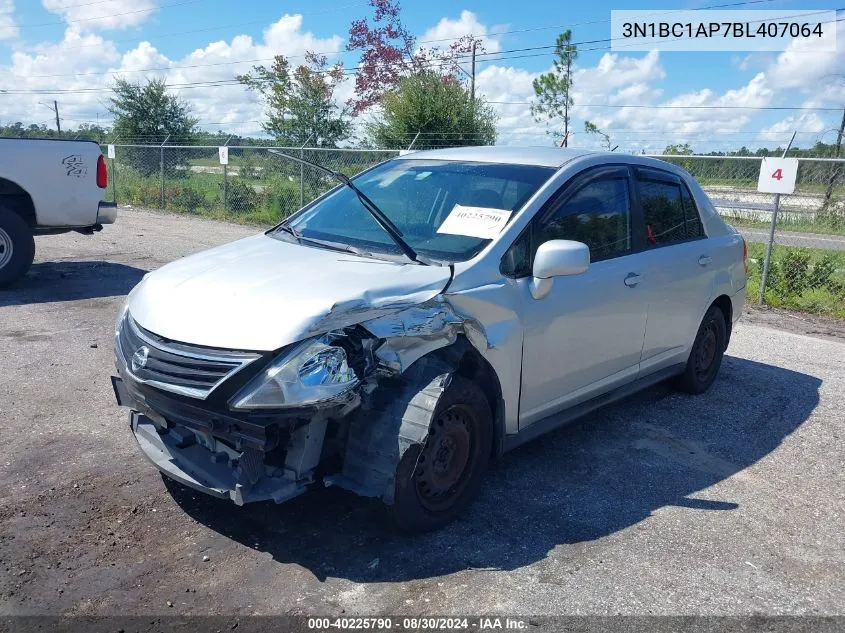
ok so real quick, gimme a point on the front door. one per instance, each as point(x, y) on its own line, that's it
point(585, 337)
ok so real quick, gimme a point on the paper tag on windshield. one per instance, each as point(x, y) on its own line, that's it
point(475, 222)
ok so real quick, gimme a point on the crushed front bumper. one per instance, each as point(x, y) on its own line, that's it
point(199, 460)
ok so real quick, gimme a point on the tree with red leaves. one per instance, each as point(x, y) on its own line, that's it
point(389, 53)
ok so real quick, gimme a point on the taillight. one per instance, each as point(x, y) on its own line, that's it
point(102, 173)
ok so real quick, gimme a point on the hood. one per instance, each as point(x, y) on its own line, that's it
point(261, 293)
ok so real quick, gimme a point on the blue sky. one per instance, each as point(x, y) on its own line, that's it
point(50, 45)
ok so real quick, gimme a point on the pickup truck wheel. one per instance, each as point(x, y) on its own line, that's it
point(437, 480)
point(706, 355)
point(17, 247)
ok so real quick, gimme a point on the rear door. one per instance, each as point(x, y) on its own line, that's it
point(679, 266)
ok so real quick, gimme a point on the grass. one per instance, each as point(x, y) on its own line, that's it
point(805, 279)
point(254, 196)
point(833, 226)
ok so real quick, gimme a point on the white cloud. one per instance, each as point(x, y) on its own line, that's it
point(90, 16)
point(85, 61)
point(448, 29)
point(229, 106)
point(808, 123)
point(8, 27)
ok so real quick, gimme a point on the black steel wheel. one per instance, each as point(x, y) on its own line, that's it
point(705, 357)
point(437, 480)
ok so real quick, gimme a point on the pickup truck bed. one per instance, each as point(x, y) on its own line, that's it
point(48, 187)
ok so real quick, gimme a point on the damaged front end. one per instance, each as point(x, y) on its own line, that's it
point(251, 426)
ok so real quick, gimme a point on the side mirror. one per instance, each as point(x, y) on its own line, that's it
point(557, 258)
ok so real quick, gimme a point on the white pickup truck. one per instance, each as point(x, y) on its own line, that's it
point(48, 187)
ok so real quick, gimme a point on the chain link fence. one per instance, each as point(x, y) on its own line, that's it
point(256, 185)
point(806, 270)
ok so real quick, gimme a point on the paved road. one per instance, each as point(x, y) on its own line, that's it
point(728, 503)
point(793, 238)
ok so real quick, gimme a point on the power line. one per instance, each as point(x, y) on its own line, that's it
point(462, 57)
point(681, 107)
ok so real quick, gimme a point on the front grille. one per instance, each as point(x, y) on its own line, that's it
point(189, 370)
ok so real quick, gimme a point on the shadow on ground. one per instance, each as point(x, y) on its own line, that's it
point(47, 282)
point(583, 482)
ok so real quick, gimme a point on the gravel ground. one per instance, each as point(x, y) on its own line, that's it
point(728, 503)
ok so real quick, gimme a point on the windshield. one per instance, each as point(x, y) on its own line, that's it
point(418, 196)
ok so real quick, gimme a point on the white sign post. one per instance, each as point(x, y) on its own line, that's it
point(777, 176)
point(224, 155)
point(111, 152)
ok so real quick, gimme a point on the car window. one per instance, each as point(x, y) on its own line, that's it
point(599, 215)
point(670, 213)
point(663, 211)
point(693, 218)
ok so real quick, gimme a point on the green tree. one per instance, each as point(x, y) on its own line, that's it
point(148, 113)
point(592, 128)
point(682, 149)
point(439, 108)
point(300, 102)
point(554, 89)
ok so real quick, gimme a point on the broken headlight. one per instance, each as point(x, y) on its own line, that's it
point(314, 371)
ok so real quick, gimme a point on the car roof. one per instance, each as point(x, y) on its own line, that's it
point(540, 156)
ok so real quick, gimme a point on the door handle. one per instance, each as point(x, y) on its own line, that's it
point(704, 260)
point(632, 280)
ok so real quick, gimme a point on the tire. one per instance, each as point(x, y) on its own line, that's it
point(438, 480)
point(706, 354)
point(17, 247)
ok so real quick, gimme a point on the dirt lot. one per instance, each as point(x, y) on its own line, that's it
point(728, 503)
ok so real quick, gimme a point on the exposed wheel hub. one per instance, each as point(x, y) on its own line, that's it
point(706, 349)
point(443, 462)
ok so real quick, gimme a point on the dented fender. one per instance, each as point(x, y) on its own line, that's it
point(487, 315)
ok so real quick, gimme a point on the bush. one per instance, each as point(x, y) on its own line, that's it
point(185, 199)
point(248, 168)
point(822, 271)
point(794, 273)
point(241, 197)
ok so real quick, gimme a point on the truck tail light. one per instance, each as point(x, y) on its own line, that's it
point(102, 173)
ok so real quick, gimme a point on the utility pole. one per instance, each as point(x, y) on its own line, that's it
point(58, 123)
point(828, 194)
point(566, 102)
point(472, 82)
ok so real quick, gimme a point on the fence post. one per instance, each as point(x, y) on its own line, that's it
point(302, 171)
point(161, 171)
point(764, 278)
point(226, 179)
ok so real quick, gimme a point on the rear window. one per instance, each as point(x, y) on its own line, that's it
point(669, 212)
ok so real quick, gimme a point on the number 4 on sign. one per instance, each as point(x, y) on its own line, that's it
point(777, 175)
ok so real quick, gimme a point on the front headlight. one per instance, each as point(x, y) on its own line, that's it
point(313, 372)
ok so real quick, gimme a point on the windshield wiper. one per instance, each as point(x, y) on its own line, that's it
point(289, 229)
point(372, 208)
